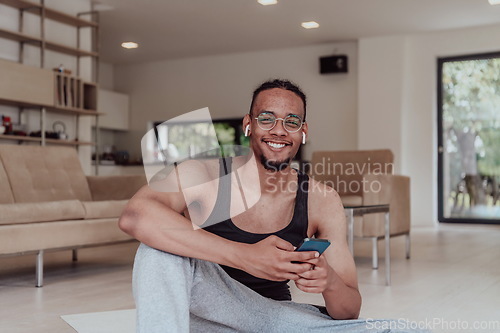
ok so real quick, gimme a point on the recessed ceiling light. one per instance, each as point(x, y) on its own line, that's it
point(494, 2)
point(130, 45)
point(310, 25)
point(267, 2)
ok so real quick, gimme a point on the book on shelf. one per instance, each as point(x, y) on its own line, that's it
point(66, 91)
point(69, 87)
point(58, 90)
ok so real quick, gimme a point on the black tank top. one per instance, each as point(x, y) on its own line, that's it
point(294, 232)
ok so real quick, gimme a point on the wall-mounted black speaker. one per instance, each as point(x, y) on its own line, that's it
point(333, 64)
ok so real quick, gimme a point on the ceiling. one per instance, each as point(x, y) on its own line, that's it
point(168, 29)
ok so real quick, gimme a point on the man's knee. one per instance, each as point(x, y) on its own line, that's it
point(156, 271)
point(161, 288)
point(151, 261)
point(146, 253)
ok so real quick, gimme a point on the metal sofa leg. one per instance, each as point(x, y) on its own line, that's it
point(408, 246)
point(75, 255)
point(39, 269)
point(374, 252)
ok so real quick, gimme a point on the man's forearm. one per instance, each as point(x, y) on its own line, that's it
point(171, 232)
point(341, 300)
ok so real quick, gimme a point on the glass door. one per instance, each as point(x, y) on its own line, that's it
point(469, 139)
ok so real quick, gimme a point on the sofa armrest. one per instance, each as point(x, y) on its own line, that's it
point(391, 189)
point(115, 187)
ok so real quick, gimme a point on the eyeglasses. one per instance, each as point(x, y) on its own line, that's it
point(266, 121)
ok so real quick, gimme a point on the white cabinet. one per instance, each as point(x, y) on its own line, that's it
point(115, 109)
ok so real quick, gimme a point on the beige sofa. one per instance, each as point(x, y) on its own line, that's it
point(47, 203)
point(365, 177)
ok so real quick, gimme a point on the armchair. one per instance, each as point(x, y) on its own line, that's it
point(365, 177)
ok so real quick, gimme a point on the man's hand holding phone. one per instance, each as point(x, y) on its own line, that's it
point(272, 259)
point(317, 279)
point(313, 244)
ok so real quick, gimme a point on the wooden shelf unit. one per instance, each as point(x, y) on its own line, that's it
point(20, 37)
point(51, 14)
point(75, 111)
point(52, 108)
point(20, 138)
point(39, 139)
point(69, 50)
point(20, 104)
point(26, 5)
point(42, 92)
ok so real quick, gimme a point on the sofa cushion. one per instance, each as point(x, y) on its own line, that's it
point(5, 191)
point(41, 174)
point(115, 187)
point(103, 209)
point(60, 234)
point(41, 212)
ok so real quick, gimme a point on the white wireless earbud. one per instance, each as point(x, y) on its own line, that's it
point(247, 129)
point(303, 138)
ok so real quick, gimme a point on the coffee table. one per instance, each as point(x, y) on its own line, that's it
point(351, 212)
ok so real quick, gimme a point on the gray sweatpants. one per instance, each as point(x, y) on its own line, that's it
point(180, 294)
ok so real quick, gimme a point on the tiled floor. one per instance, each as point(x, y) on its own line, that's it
point(452, 281)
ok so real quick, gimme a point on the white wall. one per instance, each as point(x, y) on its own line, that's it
point(224, 83)
point(106, 76)
point(398, 92)
point(106, 82)
point(381, 72)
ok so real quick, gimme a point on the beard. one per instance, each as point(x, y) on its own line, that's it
point(274, 165)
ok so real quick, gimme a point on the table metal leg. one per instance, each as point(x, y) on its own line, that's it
point(374, 252)
point(408, 246)
point(387, 250)
point(350, 229)
point(39, 269)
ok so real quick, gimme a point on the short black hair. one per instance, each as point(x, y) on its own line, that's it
point(281, 84)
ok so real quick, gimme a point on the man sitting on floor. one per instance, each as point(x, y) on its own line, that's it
point(230, 272)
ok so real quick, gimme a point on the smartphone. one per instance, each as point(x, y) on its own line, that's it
point(314, 244)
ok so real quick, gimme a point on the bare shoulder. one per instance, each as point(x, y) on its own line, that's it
point(179, 183)
point(322, 194)
point(197, 171)
point(188, 173)
point(325, 206)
